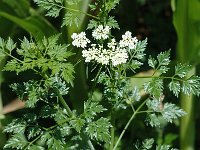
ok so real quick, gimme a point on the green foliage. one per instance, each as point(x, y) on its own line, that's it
point(17, 141)
point(175, 87)
point(118, 91)
point(27, 18)
point(162, 111)
point(181, 70)
point(91, 109)
point(155, 87)
point(99, 130)
point(17, 126)
point(45, 56)
point(147, 144)
point(137, 55)
point(52, 123)
point(70, 19)
point(179, 82)
point(77, 124)
point(189, 85)
point(161, 63)
point(53, 7)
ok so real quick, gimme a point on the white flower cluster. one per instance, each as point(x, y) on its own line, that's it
point(114, 53)
point(80, 40)
point(128, 40)
point(101, 33)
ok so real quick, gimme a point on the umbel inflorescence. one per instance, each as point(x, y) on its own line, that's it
point(113, 52)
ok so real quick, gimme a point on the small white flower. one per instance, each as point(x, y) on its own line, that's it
point(80, 40)
point(119, 56)
point(103, 57)
point(101, 33)
point(115, 53)
point(128, 41)
point(112, 44)
point(90, 54)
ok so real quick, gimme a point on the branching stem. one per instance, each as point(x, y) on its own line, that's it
point(127, 125)
point(74, 10)
point(71, 114)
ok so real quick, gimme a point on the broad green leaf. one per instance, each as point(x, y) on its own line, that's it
point(186, 20)
point(33, 25)
point(20, 7)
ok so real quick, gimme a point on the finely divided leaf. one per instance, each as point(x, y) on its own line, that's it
point(171, 112)
point(10, 45)
point(161, 63)
point(17, 126)
point(147, 143)
point(154, 87)
point(91, 109)
point(154, 120)
point(17, 141)
point(182, 69)
point(99, 130)
point(139, 50)
point(152, 62)
point(33, 131)
point(70, 19)
point(77, 124)
point(163, 58)
point(112, 23)
point(191, 85)
point(175, 87)
point(53, 7)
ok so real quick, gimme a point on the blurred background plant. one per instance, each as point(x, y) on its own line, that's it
point(145, 18)
point(187, 23)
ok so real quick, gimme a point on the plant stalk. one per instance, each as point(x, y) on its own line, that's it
point(90, 145)
point(112, 130)
point(128, 123)
point(61, 99)
point(185, 19)
point(187, 128)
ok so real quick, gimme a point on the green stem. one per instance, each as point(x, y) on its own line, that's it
point(71, 115)
point(112, 130)
point(61, 99)
point(127, 125)
point(75, 10)
point(90, 145)
point(160, 77)
point(187, 128)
